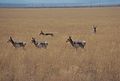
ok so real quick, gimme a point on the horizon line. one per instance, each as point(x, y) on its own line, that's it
point(53, 5)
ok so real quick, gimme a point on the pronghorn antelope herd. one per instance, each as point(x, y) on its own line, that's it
point(44, 44)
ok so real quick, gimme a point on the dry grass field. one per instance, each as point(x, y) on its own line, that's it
point(99, 61)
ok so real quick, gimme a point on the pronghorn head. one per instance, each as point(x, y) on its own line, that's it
point(10, 39)
point(69, 39)
point(33, 40)
point(41, 32)
point(94, 27)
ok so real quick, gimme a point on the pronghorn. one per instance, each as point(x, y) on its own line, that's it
point(39, 44)
point(46, 34)
point(94, 29)
point(76, 44)
point(16, 44)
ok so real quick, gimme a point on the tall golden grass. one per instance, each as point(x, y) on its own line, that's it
point(99, 61)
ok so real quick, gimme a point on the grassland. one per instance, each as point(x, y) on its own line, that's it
point(99, 61)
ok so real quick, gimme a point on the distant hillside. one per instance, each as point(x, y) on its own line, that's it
point(56, 5)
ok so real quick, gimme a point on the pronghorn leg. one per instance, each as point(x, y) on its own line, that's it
point(24, 48)
point(76, 49)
